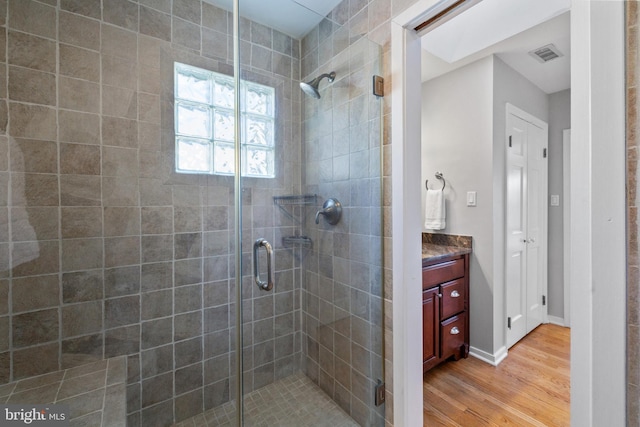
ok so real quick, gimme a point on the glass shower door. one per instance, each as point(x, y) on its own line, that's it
point(273, 208)
point(341, 289)
point(311, 343)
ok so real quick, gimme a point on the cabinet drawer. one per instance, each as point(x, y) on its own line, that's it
point(443, 272)
point(453, 297)
point(452, 333)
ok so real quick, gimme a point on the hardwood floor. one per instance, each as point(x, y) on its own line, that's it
point(529, 388)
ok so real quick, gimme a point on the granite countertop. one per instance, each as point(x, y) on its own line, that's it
point(431, 252)
point(436, 246)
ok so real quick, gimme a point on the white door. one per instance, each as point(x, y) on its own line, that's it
point(516, 267)
point(536, 225)
point(526, 223)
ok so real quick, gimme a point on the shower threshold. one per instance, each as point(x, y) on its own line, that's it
point(294, 401)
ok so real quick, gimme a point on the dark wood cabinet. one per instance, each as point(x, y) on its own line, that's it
point(430, 325)
point(445, 310)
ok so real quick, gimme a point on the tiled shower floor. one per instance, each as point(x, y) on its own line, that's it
point(294, 401)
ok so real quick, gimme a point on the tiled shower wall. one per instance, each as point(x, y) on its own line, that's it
point(104, 250)
point(633, 260)
point(342, 276)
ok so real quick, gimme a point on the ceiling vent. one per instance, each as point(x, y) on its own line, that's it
point(546, 53)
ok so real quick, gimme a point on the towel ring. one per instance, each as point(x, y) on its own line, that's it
point(438, 176)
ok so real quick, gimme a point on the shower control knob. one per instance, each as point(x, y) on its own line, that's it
point(331, 210)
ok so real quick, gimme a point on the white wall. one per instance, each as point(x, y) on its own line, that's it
point(463, 122)
point(405, 217)
point(598, 256)
point(559, 119)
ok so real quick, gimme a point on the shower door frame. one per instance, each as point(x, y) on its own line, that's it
point(238, 233)
point(237, 187)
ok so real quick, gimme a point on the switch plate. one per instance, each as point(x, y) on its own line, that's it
point(555, 200)
point(471, 198)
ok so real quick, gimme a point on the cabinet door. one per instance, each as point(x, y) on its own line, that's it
point(430, 328)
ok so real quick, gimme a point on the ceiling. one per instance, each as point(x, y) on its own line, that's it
point(293, 17)
point(495, 27)
point(487, 28)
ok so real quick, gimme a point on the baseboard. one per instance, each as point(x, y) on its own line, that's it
point(496, 358)
point(555, 320)
point(492, 359)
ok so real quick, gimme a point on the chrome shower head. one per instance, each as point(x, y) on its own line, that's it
point(311, 88)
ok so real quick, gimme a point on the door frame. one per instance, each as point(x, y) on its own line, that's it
point(535, 121)
point(598, 236)
point(566, 222)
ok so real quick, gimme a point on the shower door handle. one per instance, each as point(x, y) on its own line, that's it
point(268, 285)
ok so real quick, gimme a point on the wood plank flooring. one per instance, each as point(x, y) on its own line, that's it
point(529, 388)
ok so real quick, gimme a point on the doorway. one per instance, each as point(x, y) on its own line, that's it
point(464, 132)
point(526, 223)
point(596, 49)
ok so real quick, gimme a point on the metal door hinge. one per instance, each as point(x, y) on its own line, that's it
point(509, 322)
point(380, 393)
point(510, 142)
point(544, 153)
point(544, 300)
point(378, 86)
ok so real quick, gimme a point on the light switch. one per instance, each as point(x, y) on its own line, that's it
point(555, 200)
point(471, 198)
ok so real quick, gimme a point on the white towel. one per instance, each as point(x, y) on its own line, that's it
point(434, 212)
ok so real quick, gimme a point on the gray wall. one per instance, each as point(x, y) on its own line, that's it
point(559, 119)
point(457, 141)
point(464, 119)
point(509, 87)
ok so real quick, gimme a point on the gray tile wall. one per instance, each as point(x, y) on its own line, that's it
point(62, 200)
point(342, 278)
point(104, 251)
point(633, 260)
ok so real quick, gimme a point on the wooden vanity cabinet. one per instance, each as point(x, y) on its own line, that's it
point(430, 326)
point(445, 310)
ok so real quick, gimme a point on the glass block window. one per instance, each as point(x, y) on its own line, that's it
point(205, 128)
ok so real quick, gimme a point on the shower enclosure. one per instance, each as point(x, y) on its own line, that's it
point(327, 300)
point(167, 259)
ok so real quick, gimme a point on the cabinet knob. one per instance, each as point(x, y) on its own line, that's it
point(455, 294)
point(455, 330)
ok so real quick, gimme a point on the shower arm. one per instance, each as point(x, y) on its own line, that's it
point(330, 76)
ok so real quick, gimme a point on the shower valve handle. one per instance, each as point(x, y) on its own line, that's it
point(332, 211)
